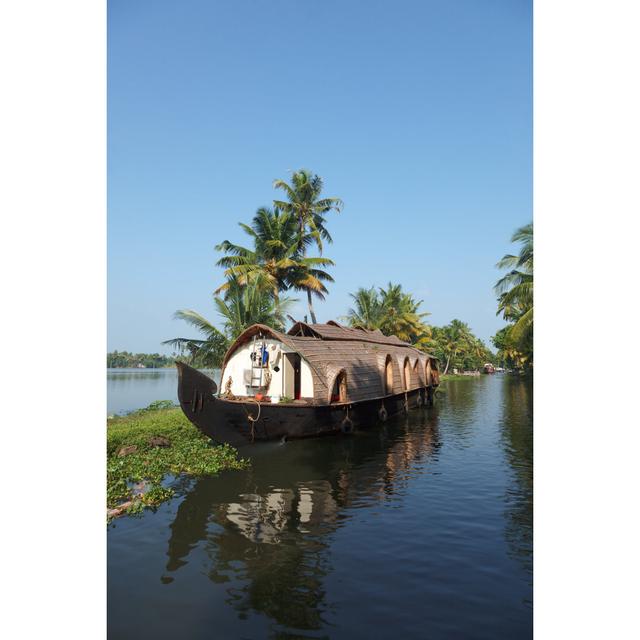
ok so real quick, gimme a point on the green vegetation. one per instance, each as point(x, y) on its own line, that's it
point(118, 359)
point(204, 352)
point(145, 447)
point(395, 312)
point(457, 348)
point(515, 302)
point(392, 311)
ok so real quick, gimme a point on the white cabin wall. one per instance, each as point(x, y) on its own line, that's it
point(241, 360)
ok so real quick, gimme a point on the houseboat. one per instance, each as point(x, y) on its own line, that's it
point(316, 379)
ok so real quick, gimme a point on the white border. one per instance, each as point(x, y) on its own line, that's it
point(53, 323)
point(586, 181)
point(52, 164)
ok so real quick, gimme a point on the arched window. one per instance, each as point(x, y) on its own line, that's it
point(417, 377)
point(428, 378)
point(388, 376)
point(407, 374)
point(339, 391)
point(435, 374)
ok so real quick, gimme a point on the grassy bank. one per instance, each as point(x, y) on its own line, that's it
point(146, 446)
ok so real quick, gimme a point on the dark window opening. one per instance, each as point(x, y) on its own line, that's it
point(388, 376)
point(339, 391)
point(407, 374)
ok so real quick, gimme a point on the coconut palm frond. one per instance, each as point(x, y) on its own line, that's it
point(196, 320)
point(523, 325)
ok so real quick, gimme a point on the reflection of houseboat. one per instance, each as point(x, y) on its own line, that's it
point(293, 500)
point(489, 368)
point(314, 380)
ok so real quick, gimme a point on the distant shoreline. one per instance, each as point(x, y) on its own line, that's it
point(143, 367)
point(127, 360)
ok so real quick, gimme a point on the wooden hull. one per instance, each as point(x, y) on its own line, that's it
point(240, 421)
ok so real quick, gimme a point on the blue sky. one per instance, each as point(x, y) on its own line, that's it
point(417, 114)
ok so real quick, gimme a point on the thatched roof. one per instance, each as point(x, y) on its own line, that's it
point(333, 331)
point(362, 354)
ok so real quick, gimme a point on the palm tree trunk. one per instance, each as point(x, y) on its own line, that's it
point(311, 313)
point(444, 373)
point(303, 252)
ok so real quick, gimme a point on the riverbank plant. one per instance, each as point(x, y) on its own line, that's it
point(147, 446)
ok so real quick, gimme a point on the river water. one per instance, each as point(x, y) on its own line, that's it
point(129, 389)
point(421, 528)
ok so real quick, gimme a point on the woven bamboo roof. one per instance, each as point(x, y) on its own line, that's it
point(362, 354)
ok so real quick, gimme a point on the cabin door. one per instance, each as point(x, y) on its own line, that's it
point(292, 375)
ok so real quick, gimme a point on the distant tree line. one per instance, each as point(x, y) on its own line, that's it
point(395, 312)
point(124, 359)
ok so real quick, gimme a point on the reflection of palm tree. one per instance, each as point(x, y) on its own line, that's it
point(517, 438)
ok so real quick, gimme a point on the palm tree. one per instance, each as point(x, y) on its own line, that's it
point(275, 263)
point(515, 289)
point(509, 353)
point(476, 353)
point(304, 202)
point(247, 304)
point(401, 316)
point(452, 340)
point(306, 276)
point(392, 311)
point(368, 311)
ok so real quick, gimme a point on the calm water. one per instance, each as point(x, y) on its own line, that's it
point(418, 529)
point(129, 389)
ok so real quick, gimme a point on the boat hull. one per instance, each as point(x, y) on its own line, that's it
point(240, 421)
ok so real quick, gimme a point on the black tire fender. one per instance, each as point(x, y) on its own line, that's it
point(346, 426)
